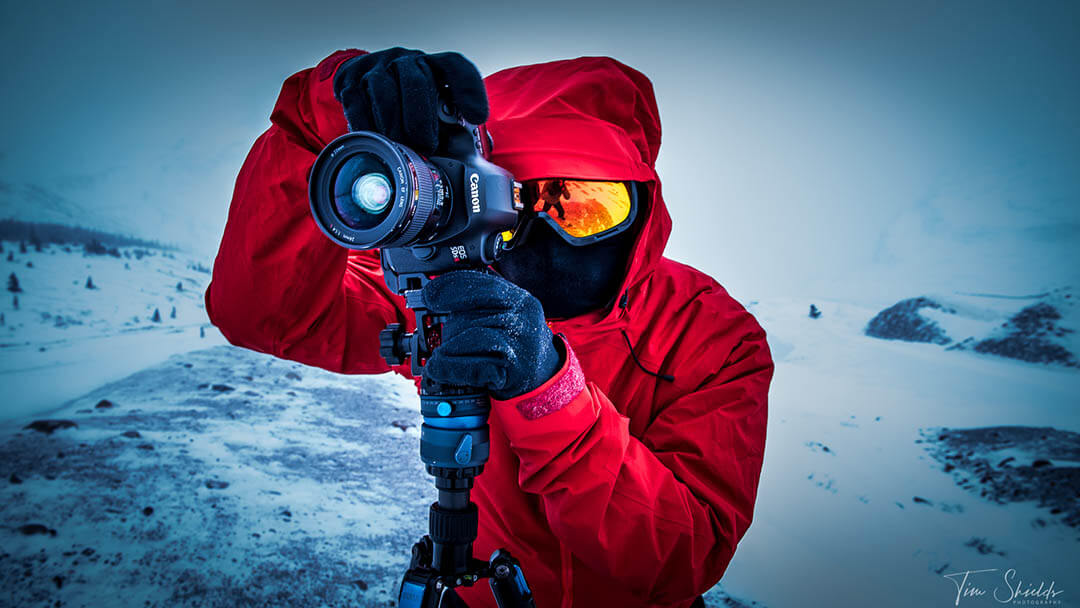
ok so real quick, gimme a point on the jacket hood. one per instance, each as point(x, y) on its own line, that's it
point(586, 118)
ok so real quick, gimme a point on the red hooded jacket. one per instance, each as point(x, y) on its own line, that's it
point(636, 491)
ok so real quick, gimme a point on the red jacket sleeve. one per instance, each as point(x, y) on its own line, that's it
point(279, 285)
point(662, 514)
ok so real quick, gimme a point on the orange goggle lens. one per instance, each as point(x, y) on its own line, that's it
point(581, 208)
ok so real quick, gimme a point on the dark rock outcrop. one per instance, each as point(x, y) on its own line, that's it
point(902, 321)
point(1028, 337)
point(975, 455)
point(48, 426)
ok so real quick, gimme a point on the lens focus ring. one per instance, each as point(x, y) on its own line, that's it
point(424, 185)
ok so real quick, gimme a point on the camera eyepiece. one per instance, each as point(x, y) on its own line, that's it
point(367, 191)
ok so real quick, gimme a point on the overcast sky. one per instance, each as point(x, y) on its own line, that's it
point(874, 150)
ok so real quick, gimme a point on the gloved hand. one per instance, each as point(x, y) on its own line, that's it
point(495, 338)
point(395, 92)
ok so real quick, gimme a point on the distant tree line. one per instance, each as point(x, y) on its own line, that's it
point(38, 234)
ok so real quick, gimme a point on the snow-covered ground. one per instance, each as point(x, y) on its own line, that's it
point(325, 493)
point(65, 339)
point(220, 477)
point(843, 526)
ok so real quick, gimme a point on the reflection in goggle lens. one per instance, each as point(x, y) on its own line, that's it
point(581, 208)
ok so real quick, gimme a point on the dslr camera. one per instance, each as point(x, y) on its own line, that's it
point(426, 215)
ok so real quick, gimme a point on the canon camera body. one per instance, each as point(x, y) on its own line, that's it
point(427, 215)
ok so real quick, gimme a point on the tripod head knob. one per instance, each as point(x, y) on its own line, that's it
point(390, 342)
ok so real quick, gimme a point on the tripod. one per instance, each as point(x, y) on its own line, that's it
point(454, 447)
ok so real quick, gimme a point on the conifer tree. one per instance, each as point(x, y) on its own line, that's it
point(172, 315)
point(15, 302)
point(13, 284)
point(22, 246)
point(90, 283)
point(157, 316)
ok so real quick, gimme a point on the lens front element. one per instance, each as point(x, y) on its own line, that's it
point(362, 191)
point(372, 192)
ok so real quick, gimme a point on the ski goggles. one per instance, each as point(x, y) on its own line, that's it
point(580, 211)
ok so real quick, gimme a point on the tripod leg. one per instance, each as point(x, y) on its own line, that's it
point(508, 582)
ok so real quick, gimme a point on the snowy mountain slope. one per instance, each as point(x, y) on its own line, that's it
point(875, 519)
point(65, 339)
point(220, 477)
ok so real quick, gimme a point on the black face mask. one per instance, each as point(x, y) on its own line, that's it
point(568, 280)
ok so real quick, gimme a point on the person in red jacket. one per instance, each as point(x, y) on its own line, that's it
point(552, 194)
point(624, 468)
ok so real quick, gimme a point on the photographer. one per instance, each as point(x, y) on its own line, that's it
point(628, 390)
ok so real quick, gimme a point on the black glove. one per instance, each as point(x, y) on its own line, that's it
point(395, 92)
point(495, 338)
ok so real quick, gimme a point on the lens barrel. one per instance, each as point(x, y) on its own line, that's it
point(367, 191)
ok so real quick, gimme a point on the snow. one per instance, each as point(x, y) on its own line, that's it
point(842, 528)
point(87, 337)
point(310, 498)
point(873, 520)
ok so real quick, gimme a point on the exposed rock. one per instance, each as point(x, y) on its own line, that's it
point(975, 451)
point(48, 426)
point(32, 529)
point(983, 547)
point(964, 344)
point(1027, 336)
point(902, 321)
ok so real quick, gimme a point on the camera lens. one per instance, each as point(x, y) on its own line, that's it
point(367, 191)
point(362, 191)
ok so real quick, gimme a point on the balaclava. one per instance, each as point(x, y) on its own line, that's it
point(571, 280)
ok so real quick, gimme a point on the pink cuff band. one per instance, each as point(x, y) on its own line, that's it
point(561, 389)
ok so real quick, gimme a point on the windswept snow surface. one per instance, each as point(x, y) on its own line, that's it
point(874, 520)
point(65, 339)
point(220, 477)
point(223, 477)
